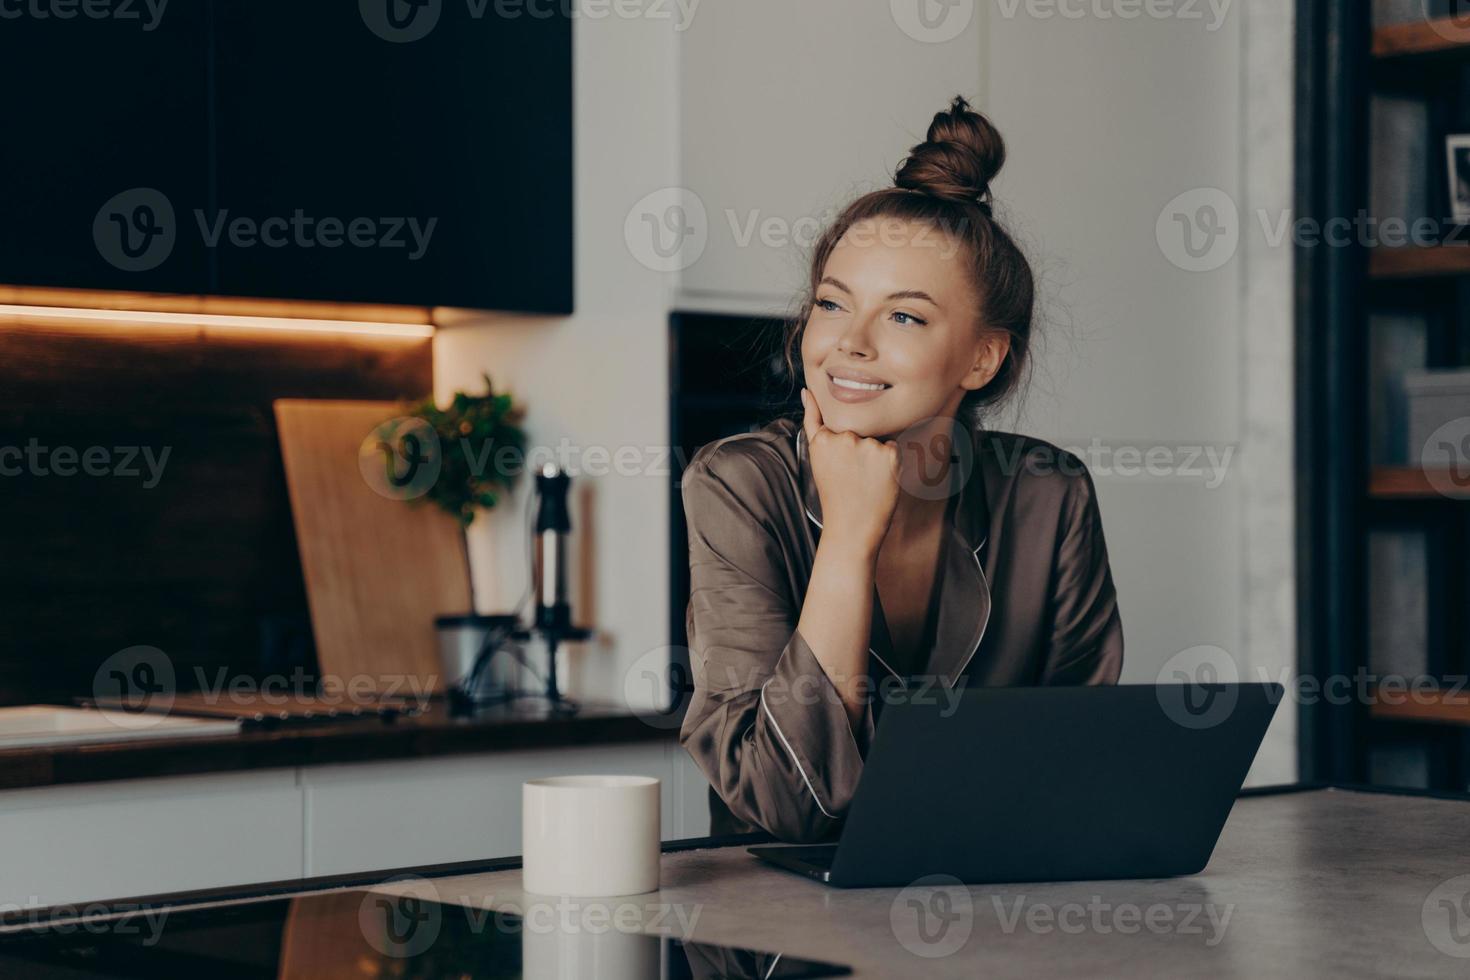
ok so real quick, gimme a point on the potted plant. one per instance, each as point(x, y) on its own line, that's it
point(481, 450)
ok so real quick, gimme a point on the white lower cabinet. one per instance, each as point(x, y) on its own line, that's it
point(139, 837)
point(369, 816)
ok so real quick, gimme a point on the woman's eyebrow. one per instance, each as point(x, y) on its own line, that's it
point(901, 294)
point(913, 294)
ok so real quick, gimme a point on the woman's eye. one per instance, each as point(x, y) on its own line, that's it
point(828, 305)
point(908, 318)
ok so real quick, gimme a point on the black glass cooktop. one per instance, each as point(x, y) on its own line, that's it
point(363, 935)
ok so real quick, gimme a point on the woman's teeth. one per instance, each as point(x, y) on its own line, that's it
point(858, 385)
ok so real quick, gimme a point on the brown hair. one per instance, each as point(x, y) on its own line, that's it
point(945, 183)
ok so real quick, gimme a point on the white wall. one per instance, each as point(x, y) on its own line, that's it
point(596, 379)
point(766, 109)
point(1109, 120)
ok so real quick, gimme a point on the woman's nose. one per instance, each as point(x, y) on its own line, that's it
point(856, 340)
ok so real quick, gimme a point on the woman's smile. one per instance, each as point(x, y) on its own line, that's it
point(853, 387)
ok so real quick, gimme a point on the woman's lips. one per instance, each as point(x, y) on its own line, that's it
point(853, 392)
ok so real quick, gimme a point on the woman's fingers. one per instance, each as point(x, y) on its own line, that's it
point(811, 420)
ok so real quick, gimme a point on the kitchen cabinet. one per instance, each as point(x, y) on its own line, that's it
point(436, 170)
point(105, 121)
point(369, 816)
point(147, 836)
point(138, 837)
point(295, 151)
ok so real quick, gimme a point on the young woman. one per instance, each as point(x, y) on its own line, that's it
point(885, 545)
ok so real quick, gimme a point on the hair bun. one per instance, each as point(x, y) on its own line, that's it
point(958, 160)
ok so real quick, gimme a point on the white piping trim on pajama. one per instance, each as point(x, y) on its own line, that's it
point(985, 625)
point(791, 752)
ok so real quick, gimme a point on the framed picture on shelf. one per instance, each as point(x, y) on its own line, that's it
point(1457, 169)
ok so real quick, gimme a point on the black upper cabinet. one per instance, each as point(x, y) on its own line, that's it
point(105, 126)
point(379, 151)
point(442, 164)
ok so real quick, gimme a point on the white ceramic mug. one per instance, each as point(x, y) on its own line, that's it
point(590, 836)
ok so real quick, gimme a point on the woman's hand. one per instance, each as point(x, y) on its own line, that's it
point(857, 481)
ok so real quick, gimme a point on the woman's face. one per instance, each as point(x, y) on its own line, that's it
point(894, 337)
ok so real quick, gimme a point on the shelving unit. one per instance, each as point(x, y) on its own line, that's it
point(1428, 60)
point(1419, 40)
point(1445, 708)
point(1345, 294)
point(1412, 483)
point(1423, 262)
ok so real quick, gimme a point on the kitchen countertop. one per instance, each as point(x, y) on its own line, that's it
point(518, 725)
point(1303, 883)
point(1329, 883)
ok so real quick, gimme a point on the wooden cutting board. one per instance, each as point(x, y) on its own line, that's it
point(378, 570)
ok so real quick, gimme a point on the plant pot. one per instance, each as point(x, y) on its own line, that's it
point(461, 638)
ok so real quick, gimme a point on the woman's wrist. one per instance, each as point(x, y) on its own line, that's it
point(854, 552)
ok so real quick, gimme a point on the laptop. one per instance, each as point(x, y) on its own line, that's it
point(1044, 784)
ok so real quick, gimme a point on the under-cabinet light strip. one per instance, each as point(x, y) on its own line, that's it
point(292, 324)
